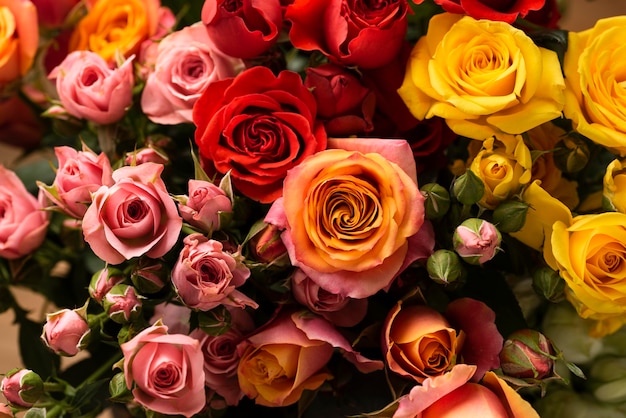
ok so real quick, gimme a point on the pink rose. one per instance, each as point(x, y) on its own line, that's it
point(18, 39)
point(66, 331)
point(89, 89)
point(146, 155)
point(122, 304)
point(175, 317)
point(476, 241)
point(103, 281)
point(289, 356)
point(165, 371)
point(133, 217)
point(23, 223)
point(186, 62)
point(22, 388)
point(221, 356)
point(204, 204)
point(80, 174)
point(205, 276)
point(339, 310)
point(255, 24)
point(52, 13)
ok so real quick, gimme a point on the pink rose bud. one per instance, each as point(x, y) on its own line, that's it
point(202, 208)
point(103, 281)
point(22, 388)
point(267, 247)
point(149, 275)
point(476, 240)
point(145, 155)
point(527, 354)
point(66, 331)
point(122, 303)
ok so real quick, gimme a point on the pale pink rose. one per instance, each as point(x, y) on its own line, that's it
point(340, 310)
point(18, 39)
point(134, 217)
point(52, 13)
point(89, 89)
point(202, 207)
point(205, 276)
point(221, 356)
point(65, 331)
point(186, 63)
point(80, 174)
point(23, 223)
point(165, 371)
point(476, 241)
point(289, 356)
point(175, 317)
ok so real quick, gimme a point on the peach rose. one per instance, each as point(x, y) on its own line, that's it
point(18, 39)
point(352, 216)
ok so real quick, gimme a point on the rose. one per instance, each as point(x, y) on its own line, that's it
point(458, 71)
point(66, 331)
point(548, 16)
point(343, 102)
point(528, 354)
point(205, 276)
point(255, 24)
point(23, 223)
point(614, 186)
point(18, 39)
point(590, 254)
point(353, 33)
point(133, 217)
point(165, 371)
point(506, 11)
point(221, 357)
point(175, 317)
point(22, 388)
point(351, 216)
point(451, 395)
point(204, 204)
point(89, 89)
point(289, 356)
point(52, 13)
point(592, 101)
point(418, 342)
point(122, 304)
point(504, 165)
point(80, 173)
point(186, 63)
point(103, 281)
point(476, 240)
point(337, 309)
point(116, 26)
point(19, 125)
point(257, 126)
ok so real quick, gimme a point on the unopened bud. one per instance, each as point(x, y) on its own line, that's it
point(266, 246)
point(468, 188)
point(437, 200)
point(445, 267)
point(527, 354)
point(66, 332)
point(571, 154)
point(122, 303)
point(22, 387)
point(607, 378)
point(103, 281)
point(549, 284)
point(510, 216)
point(476, 240)
point(149, 275)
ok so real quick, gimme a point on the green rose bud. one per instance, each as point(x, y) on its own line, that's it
point(149, 275)
point(468, 188)
point(510, 216)
point(445, 267)
point(437, 200)
point(527, 354)
point(571, 154)
point(549, 284)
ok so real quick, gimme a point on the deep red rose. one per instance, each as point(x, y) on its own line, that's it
point(344, 104)
point(503, 10)
point(243, 28)
point(351, 32)
point(548, 16)
point(257, 126)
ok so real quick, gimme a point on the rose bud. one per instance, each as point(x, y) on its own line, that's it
point(5, 411)
point(66, 331)
point(437, 200)
point(476, 240)
point(613, 194)
point(549, 284)
point(103, 281)
point(607, 378)
point(527, 354)
point(144, 155)
point(445, 267)
point(22, 387)
point(571, 154)
point(267, 247)
point(149, 275)
point(468, 188)
point(202, 208)
point(122, 303)
point(510, 215)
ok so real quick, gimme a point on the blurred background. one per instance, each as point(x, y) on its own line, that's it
point(579, 15)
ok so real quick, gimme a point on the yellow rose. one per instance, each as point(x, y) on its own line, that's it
point(590, 255)
point(544, 138)
point(614, 187)
point(482, 77)
point(504, 165)
point(594, 96)
point(19, 35)
point(116, 25)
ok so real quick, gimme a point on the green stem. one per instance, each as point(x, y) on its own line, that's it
point(56, 411)
point(101, 370)
point(53, 387)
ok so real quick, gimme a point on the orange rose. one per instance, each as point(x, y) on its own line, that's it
point(116, 25)
point(19, 36)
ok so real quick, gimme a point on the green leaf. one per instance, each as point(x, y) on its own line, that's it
point(199, 173)
point(215, 322)
point(35, 413)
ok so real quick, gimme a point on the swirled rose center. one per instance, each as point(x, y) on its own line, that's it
point(166, 375)
point(608, 262)
point(263, 368)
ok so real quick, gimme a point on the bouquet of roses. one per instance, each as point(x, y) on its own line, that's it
point(307, 207)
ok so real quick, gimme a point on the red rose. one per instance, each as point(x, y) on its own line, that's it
point(243, 29)
point(548, 16)
point(503, 10)
point(352, 32)
point(257, 126)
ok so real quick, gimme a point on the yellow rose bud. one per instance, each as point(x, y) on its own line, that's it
point(614, 186)
point(482, 77)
